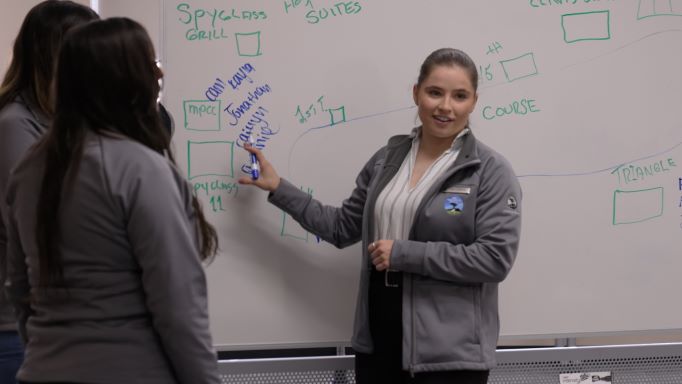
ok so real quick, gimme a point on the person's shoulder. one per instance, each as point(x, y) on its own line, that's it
point(131, 168)
point(26, 174)
point(129, 158)
point(134, 151)
point(398, 140)
point(393, 142)
point(20, 124)
point(492, 157)
point(15, 114)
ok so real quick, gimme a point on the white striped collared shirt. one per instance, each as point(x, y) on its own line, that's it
point(397, 203)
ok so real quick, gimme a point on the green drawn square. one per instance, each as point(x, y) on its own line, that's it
point(210, 158)
point(627, 203)
point(248, 44)
point(192, 108)
point(291, 228)
point(337, 115)
point(519, 67)
point(580, 20)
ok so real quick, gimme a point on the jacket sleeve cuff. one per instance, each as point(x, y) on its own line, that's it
point(287, 196)
point(405, 256)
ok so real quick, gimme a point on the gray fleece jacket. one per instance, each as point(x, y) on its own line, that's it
point(133, 307)
point(21, 125)
point(452, 263)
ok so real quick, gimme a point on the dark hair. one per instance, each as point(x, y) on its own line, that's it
point(36, 48)
point(106, 82)
point(448, 57)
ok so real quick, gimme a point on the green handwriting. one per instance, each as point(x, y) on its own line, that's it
point(305, 113)
point(629, 173)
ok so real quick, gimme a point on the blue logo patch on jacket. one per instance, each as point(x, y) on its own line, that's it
point(454, 205)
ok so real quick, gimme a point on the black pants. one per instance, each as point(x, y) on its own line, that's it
point(384, 365)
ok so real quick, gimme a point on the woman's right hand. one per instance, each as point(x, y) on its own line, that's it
point(268, 179)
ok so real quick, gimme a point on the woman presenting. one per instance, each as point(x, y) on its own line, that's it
point(439, 216)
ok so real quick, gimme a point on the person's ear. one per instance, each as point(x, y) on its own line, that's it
point(415, 92)
point(473, 106)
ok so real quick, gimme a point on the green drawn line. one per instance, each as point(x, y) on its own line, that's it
point(615, 194)
point(229, 147)
point(284, 233)
point(653, 11)
point(184, 110)
point(287, 234)
point(608, 26)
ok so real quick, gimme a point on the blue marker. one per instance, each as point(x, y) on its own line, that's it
point(255, 167)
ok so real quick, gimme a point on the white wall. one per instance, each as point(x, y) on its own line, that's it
point(146, 12)
point(12, 13)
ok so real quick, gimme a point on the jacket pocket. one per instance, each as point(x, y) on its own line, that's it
point(447, 322)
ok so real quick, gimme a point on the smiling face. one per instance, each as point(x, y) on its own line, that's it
point(445, 99)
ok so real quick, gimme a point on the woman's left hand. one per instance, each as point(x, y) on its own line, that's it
point(380, 252)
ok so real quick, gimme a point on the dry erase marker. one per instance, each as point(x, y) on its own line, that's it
point(255, 167)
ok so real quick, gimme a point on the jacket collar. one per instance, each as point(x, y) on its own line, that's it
point(455, 143)
point(399, 146)
point(33, 109)
point(469, 151)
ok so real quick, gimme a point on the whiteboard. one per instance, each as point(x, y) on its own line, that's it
point(583, 98)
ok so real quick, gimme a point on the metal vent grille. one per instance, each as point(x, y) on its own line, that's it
point(628, 364)
point(646, 370)
point(636, 364)
point(301, 370)
point(328, 377)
